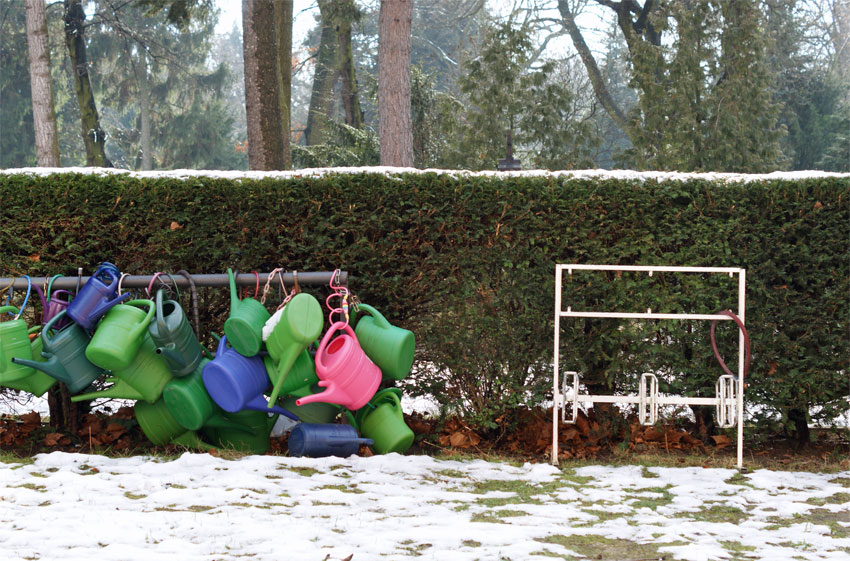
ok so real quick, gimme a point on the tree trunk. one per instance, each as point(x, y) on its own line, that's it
point(323, 79)
point(283, 31)
point(144, 114)
point(93, 136)
point(262, 102)
point(394, 123)
point(345, 54)
point(43, 111)
point(596, 79)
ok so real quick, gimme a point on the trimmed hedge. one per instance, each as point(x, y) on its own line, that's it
point(466, 261)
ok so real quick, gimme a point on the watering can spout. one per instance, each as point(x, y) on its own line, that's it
point(119, 389)
point(104, 306)
point(333, 394)
point(234, 296)
point(170, 352)
point(52, 367)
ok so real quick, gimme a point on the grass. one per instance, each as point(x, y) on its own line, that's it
point(715, 514)
point(599, 547)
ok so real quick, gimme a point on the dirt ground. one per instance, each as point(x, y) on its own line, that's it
point(530, 439)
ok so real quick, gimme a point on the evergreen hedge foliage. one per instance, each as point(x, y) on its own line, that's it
point(466, 261)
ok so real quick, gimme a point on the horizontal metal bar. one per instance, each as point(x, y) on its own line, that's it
point(725, 270)
point(668, 400)
point(306, 278)
point(643, 315)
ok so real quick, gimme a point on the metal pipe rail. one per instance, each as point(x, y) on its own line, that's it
point(308, 278)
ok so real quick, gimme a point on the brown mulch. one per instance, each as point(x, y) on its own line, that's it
point(527, 435)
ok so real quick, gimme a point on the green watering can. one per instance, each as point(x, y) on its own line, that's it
point(300, 324)
point(143, 379)
point(301, 374)
point(192, 406)
point(64, 351)
point(382, 421)
point(160, 426)
point(119, 335)
point(256, 441)
point(244, 327)
point(388, 346)
point(14, 343)
point(175, 338)
point(36, 383)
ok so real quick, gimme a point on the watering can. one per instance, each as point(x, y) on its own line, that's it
point(174, 337)
point(318, 412)
point(64, 350)
point(382, 421)
point(144, 379)
point(54, 306)
point(37, 382)
point(244, 327)
point(249, 431)
point(301, 374)
point(96, 297)
point(300, 324)
point(160, 426)
point(318, 441)
point(237, 382)
point(120, 334)
point(388, 346)
point(14, 343)
point(350, 378)
point(191, 405)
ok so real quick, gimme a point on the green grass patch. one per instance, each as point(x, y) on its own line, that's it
point(31, 487)
point(471, 543)
point(843, 481)
point(665, 497)
point(344, 488)
point(737, 550)
point(836, 499)
point(133, 496)
point(599, 547)
point(305, 471)
point(716, 514)
point(497, 516)
point(646, 474)
point(739, 479)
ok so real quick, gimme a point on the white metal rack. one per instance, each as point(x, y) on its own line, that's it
point(729, 399)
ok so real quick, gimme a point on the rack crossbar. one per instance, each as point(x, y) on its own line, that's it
point(643, 315)
point(651, 268)
point(634, 399)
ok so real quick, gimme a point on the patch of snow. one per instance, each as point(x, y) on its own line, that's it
point(397, 172)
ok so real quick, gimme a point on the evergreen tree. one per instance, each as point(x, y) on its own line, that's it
point(156, 88)
point(505, 93)
point(17, 134)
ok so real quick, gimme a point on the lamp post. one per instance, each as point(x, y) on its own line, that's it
point(509, 163)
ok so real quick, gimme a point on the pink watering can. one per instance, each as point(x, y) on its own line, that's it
point(350, 378)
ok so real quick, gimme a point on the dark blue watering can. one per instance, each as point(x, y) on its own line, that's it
point(96, 297)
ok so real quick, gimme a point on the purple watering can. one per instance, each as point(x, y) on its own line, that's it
point(237, 382)
point(54, 306)
point(96, 297)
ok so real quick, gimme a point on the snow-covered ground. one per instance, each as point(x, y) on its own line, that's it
point(200, 507)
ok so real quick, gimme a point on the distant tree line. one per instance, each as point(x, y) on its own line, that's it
point(689, 85)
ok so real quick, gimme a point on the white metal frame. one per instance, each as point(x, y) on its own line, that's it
point(729, 401)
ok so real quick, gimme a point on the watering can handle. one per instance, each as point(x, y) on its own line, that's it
point(4, 309)
point(140, 329)
point(160, 318)
point(222, 346)
point(351, 420)
point(45, 333)
point(108, 272)
point(326, 339)
point(379, 318)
